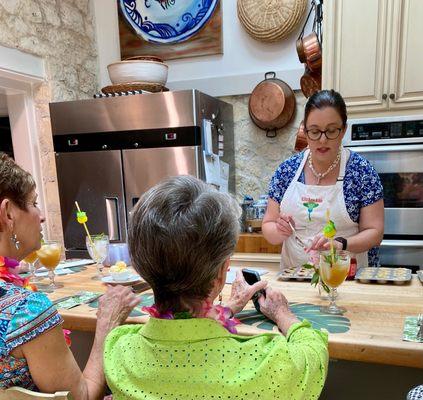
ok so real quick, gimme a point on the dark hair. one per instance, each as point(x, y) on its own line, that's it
point(15, 183)
point(324, 99)
point(180, 234)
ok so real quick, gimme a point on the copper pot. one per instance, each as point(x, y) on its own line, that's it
point(301, 140)
point(300, 50)
point(272, 104)
point(312, 52)
point(310, 82)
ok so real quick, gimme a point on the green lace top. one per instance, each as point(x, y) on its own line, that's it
point(199, 359)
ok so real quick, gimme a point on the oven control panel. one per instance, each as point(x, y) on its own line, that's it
point(386, 131)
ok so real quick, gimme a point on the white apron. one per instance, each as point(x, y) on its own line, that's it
point(308, 204)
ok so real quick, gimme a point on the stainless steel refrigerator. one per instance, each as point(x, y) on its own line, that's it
point(109, 151)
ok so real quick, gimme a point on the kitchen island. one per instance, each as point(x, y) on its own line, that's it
point(376, 312)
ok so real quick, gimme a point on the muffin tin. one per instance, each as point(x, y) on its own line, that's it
point(383, 275)
point(298, 273)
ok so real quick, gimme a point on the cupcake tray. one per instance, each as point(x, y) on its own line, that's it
point(383, 275)
point(297, 273)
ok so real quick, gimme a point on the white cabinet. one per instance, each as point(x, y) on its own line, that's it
point(372, 53)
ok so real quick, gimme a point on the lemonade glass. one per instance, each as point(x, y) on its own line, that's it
point(31, 259)
point(49, 256)
point(333, 274)
point(98, 247)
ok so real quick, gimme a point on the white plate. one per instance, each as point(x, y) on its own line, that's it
point(68, 264)
point(133, 278)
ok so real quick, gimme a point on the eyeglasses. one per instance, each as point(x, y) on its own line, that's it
point(316, 134)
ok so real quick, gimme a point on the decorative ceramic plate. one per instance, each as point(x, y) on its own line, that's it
point(167, 21)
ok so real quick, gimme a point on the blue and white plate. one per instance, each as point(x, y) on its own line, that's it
point(167, 21)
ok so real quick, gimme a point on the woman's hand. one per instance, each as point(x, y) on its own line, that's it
point(115, 306)
point(275, 225)
point(275, 307)
point(282, 224)
point(242, 292)
point(320, 243)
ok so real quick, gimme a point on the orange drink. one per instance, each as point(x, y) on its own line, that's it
point(49, 255)
point(333, 269)
point(335, 274)
point(31, 258)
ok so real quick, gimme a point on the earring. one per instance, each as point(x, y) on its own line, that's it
point(220, 298)
point(15, 241)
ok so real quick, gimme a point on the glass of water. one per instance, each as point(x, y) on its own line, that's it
point(98, 247)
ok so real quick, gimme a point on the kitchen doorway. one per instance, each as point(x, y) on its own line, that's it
point(20, 76)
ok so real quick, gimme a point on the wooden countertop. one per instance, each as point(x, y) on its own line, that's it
point(376, 312)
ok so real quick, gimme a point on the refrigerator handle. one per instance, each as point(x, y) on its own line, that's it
point(112, 214)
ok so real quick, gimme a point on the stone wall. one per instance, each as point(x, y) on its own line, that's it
point(61, 32)
point(257, 156)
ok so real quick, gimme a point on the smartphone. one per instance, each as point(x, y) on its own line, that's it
point(251, 277)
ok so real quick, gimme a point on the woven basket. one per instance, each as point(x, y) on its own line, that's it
point(270, 20)
point(130, 86)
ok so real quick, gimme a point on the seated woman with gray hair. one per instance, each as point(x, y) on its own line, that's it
point(181, 236)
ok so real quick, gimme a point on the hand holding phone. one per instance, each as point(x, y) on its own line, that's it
point(251, 277)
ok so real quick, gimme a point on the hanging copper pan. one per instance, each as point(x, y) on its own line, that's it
point(312, 52)
point(301, 140)
point(310, 82)
point(300, 50)
point(272, 104)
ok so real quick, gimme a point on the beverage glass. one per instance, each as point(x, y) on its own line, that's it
point(333, 272)
point(49, 256)
point(97, 248)
point(31, 259)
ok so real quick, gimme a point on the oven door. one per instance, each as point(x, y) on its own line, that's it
point(400, 168)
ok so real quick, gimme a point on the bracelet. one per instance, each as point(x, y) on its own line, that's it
point(343, 241)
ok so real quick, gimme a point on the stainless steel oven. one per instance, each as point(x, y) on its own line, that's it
point(394, 146)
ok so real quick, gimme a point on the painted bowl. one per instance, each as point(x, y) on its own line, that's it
point(138, 71)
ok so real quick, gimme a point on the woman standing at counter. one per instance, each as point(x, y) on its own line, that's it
point(325, 176)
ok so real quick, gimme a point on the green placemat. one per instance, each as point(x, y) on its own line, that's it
point(311, 312)
point(81, 298)
point(146, 300)
point(411, 329)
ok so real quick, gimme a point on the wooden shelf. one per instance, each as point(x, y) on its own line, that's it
point(255, 243)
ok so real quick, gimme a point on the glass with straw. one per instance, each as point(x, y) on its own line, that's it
point(333, 267)
point(97, 245)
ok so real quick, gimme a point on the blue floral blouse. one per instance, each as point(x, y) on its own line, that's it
point(362, 187)
point(24, 315)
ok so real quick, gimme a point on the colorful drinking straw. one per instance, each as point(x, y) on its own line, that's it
point(81, 217)
point(329, 232)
